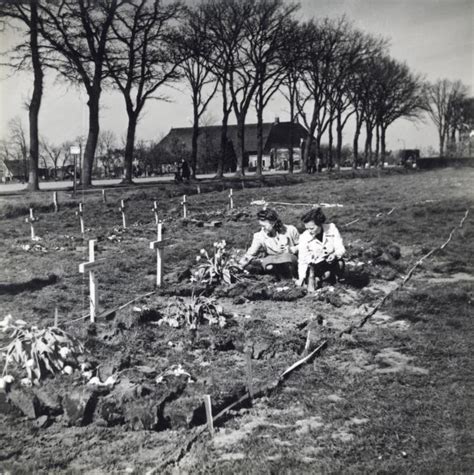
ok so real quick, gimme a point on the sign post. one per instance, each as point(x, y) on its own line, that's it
point(75, 151)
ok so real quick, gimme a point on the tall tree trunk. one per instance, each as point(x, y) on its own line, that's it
point(368, 145)
point(377, 144)
point(305, 155)
point(194, 141)
point(224, 147)
point(259, 135)
point(339, 141)
point(92, 137)
point(441, 144)
point(317, 145)
point(355, 144)
point(35, 104)
point(129, 148)
point(291, 135)
point(240, 145)
point(382, 146)
point(330, 145)
point(225, 118)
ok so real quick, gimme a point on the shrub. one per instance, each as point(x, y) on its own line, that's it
point(198, 311)
point(39, 351)
point(221, 266)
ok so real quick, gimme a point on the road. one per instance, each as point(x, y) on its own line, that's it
point(6, 188)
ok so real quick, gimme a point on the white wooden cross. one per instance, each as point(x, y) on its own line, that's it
point(32, 220)
point(231, 199)
point(93, 291)
point(124, 218)
point(104, 196)
point(80, 213)
point(159, 245)
point(184, 204)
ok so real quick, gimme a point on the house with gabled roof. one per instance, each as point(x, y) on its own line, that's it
point(277, 136)
point(13, 170)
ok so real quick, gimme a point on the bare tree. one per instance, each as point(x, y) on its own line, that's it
point(320, 49)
point(77, 33)
point(194, 49)
point(28, 55)
point(105, 147)
point(443, 102)
point(18, 143)
point(353, 49)
point(226, 20)
point(290, 58)
point(225, 30)
point(267, 31)
point(141, 59)
point(397, 93)
point(52, 153)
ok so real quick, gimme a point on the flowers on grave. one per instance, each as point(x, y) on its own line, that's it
point(217, 266)
point(197, 311)
point(38, 351)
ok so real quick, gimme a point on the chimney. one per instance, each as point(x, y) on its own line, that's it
point(277, 120)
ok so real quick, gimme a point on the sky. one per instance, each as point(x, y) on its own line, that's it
point(434, 37)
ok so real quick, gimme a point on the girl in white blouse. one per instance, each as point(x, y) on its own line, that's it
point(320, 251)
point(276, 243)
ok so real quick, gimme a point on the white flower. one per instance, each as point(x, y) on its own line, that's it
point(26, 383)
point(64, 351)
point(67, 370)
point(30, 363)
point(198, 258)
point(202, 251)
point(8, 379)
point(6, 322)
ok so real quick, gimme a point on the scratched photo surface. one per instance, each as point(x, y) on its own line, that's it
point(237, 236)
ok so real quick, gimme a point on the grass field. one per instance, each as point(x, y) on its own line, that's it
point(394, 396)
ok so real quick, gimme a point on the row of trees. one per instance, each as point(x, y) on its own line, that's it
point(244, 51)
point(451, 110)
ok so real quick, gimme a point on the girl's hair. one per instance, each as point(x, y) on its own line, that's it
point(316, 215)
point(271, 216)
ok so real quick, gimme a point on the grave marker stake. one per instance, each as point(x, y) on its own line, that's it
point(124, 218)
point(155, 210)
point(248, 359)
point(104, 196)
point(231, 199)
point(308, 342)
point(32, 219)
point(55, 316)
point(198, 188)
point(55, 201)
point(184, 204)
point(159, 245)
point(208, 406)
point(80, 213)
point(90, 267)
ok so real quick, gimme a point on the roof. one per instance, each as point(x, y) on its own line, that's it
point(274, 134)
point(15, 167)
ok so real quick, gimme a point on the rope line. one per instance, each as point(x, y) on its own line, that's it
point(409, 275)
